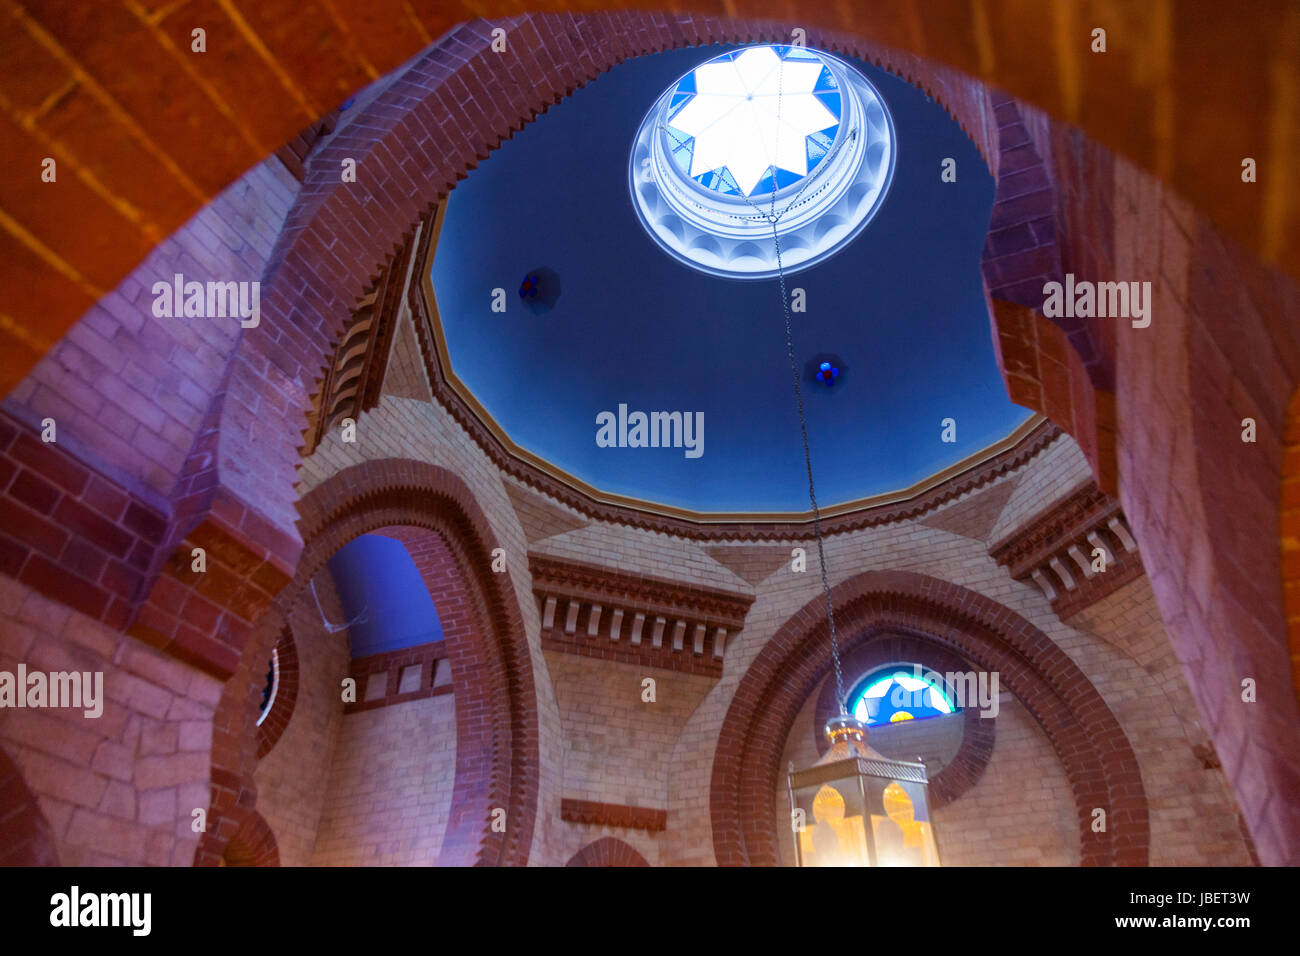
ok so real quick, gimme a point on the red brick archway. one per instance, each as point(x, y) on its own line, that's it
point(607, 851)
point(253, 843)
point(1093, 749)
point(435, 514)
point(25, 836)
point(497, 763)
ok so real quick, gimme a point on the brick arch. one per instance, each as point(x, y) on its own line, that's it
point(1290, 532)
point(434, 512)
point(607, 851)
point(871, 649)
point(25, 835)
point(253, 843)
point(277, 719)
point(985, 40)
point(1100, 764)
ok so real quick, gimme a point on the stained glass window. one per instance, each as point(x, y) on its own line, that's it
point(754, 121)
point(898, 693)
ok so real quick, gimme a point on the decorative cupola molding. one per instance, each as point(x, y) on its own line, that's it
point(599, 612)
point(1064, 548)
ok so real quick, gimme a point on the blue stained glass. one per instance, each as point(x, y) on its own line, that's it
point(816, 151)
point(825, 90)
point(894, 694)
point(832, 100)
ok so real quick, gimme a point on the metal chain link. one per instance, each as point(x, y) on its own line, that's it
point(812, 493)
point(774, 218)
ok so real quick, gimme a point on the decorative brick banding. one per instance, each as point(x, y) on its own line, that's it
point(429, 658)
point(607, 851)
point(597, 814)
point(594, 611)
point(1054, 550)
point(1098, 760)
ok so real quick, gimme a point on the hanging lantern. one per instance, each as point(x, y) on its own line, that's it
point(856, 807)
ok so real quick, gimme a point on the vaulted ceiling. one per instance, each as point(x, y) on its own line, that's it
point(901, 307)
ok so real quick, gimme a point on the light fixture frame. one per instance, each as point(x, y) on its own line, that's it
point(860, 776)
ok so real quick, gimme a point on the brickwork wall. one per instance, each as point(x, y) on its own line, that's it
point(1021, 812)
point(407, 428)
point(129, 390)
point(588, 706)
point(118, 789)
point(293, 780)
point(1211, 519)
point(390, 785)
point(1193, 811)
point(619, 746)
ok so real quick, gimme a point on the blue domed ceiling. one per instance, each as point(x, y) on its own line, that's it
point(900, 308)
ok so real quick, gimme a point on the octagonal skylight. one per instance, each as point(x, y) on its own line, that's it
point(760, 146)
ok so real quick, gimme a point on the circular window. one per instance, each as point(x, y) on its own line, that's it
point(761, 143)
point(270, 687)
point(900, 692)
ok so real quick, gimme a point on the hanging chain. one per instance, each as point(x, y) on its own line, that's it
point(773, 217)
point(812, 492)
point(803, 421)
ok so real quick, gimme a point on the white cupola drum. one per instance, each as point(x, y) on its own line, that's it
point(760, 141)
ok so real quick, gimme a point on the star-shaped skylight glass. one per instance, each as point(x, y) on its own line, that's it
point(754, 121)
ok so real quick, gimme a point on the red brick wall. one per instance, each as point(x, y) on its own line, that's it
point(128, 389)
point(24, 831)
point(1291, 534)
point(1203, 505)
point(121, 788)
